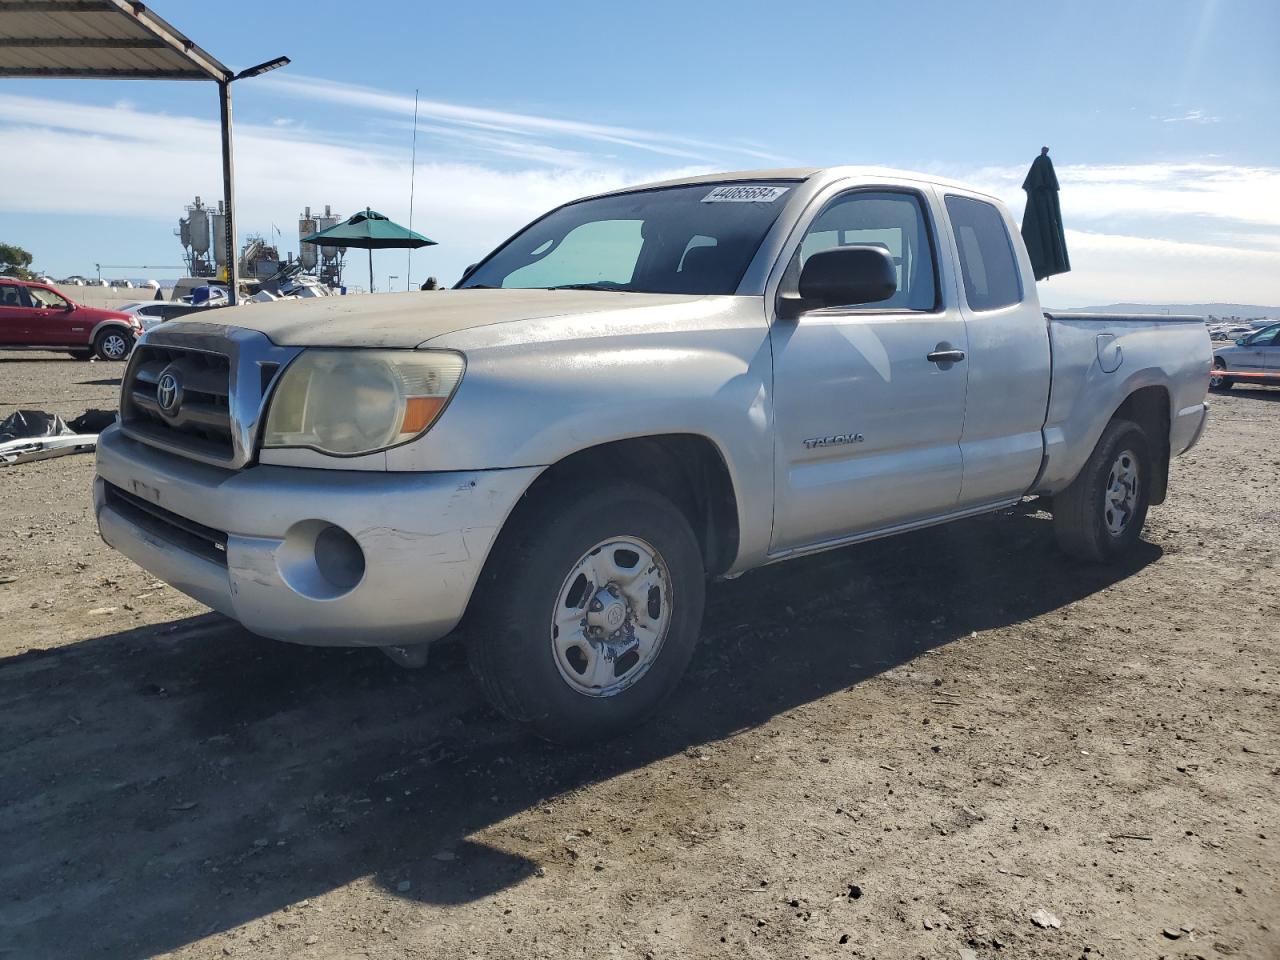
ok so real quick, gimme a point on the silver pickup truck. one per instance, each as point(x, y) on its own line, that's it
point(636, 392)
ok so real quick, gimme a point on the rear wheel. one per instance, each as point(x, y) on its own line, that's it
point(1100, 516)
point(588, 612)
point(1218, 380)
point(112, 344)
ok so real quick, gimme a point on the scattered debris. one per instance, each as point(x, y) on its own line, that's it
point(27, 435)
point(1043, 918)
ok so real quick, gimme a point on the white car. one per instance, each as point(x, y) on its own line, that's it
point(148, 312)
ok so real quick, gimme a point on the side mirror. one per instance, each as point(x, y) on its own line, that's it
point(1240, 341)
point(844, 276)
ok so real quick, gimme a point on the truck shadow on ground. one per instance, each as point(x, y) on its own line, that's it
point(159, 785)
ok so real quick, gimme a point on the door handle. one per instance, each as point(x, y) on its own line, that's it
point(945, 356)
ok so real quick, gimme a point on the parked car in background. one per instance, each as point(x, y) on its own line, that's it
point(1254, 358)
point(149, 312)
point(37, 316)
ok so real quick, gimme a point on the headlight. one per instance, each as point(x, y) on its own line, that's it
point(350, 402)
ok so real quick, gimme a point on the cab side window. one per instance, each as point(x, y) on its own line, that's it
point(893, 221)
point(987, 263)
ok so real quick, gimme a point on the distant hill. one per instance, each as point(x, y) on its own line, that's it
point(1245, 311)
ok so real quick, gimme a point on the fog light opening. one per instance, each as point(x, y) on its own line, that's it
point(319, 560)
point(339, 558)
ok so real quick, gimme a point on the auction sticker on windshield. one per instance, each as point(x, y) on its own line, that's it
point(745, 193)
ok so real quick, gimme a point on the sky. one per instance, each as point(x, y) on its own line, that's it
point(1161, 116)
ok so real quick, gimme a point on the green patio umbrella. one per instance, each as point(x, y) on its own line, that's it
point(370, 231)
point(1042, 220)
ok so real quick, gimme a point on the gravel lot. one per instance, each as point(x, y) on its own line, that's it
point(905, 749)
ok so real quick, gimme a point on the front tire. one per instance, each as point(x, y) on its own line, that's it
point(1100, 516)
point(1218, 380)
point(588, 612)
point(112, 344)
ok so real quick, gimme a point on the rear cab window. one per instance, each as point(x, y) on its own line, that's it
point(988, 265)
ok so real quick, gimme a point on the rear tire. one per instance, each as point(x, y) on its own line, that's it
point(1100, 516)
point(1218, 381)
point(112, 344)
point(588, 612)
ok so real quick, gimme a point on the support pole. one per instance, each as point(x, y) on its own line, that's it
point(371, 269)
point(229, 194)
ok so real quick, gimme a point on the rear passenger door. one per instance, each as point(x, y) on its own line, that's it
point(10, 318)
point(1009, 360)
point(15, 315)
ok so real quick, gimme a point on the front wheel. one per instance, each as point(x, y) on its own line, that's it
point(112, 344)
point(588, 612)
point(1100, 516)
point(1218, 380)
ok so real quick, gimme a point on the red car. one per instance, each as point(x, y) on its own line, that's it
point(36, 315)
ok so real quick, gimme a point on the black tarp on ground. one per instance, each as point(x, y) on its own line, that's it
point(29, 424)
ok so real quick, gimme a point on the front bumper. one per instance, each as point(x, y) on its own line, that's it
point(424, 538)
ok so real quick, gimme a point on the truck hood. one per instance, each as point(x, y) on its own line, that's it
point(409, 319)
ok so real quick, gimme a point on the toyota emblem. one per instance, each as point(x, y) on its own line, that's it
point(168, 394)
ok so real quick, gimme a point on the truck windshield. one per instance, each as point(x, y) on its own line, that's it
point(692, 239)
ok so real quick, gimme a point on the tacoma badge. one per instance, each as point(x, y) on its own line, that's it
point(838, 439)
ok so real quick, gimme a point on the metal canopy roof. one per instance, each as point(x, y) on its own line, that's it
point(110, 39)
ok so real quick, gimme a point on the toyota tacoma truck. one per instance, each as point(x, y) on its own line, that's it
point(635, 393)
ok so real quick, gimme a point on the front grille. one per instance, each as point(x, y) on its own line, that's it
point(167, 525)
point(201, 421)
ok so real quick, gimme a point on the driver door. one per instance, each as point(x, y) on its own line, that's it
point(867, 425)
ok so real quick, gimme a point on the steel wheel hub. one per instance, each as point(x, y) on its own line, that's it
point(1121, 498)
point(611, 617)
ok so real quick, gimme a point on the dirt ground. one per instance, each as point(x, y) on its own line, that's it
point(905, 749)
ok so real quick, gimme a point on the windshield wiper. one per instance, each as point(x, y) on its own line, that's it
point(603, 285)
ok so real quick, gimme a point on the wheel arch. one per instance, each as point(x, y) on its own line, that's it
point(102, 325)
point(689, 469)
point(1151, 409)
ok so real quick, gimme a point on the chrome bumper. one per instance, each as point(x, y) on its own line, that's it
point(423, 538)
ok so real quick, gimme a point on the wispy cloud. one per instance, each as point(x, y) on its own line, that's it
point(1245, 194)
point(516, 124)
point(151, 165)
point(1148, 231)
point(1190, 116)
